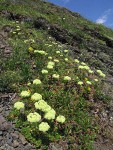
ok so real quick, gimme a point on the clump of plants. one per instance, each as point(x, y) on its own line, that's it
point(55, 104)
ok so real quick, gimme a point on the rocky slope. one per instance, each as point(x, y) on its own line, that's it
point(89, 42)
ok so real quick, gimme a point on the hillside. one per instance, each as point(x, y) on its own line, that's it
point(71, 59)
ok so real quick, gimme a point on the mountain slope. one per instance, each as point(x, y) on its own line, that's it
point(29, 25)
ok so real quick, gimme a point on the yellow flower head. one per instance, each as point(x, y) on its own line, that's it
point(66, 51)
point(37, 82)
point(66, 59)
point(96, 80)
point(77, 61)
point(50, 57)
point(44, 126)
point(19, 105)
point(25, 94)
point(60, 119)
point(50, 114)
point(55, 76)
point(33, 117)
point(50, 67)
point(67, 78)
point(88, 82)
point(44, 71)
point(40, 52)
point(30, 49)
point(36, 97)
point(56, 60)
point(80, 83)
point(51, 63)
point(57, 52)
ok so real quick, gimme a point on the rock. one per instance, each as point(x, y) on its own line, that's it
point(1, 133)
point(15, 143)
point(22, 138)
point(6, 126)
point(2, 120)
point(55, 147)
point(1, 109)
point(15, 135)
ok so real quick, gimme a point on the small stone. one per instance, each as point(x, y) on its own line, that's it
point(22, 138)
point(2, 119)
point(1, 109)
point(1, 133)
point(6, 126)
point(15, 135)
point(15, 143)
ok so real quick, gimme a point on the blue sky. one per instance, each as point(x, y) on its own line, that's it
point(99, 11)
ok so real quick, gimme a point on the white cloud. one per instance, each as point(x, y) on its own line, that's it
point(104, 17)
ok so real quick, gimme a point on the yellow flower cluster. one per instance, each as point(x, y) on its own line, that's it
point(56, 60)
point(36, 97)
point(42, 105)
point(19, 105)
point(55, 76)
point(67, 78)
point(50, 114)
point(77, 61)
point(44, 71)
point(25, 94)
point(50, 65)
point(40, 52)
point(33, 117)
point(101, 73)
point(66, 59)
point(66, 51)
point(57, 52)
point(60, 119)
point(37, 82)
point(43, 126)
point(80, 83)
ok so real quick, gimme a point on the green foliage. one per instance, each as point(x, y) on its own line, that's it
point(71, 98)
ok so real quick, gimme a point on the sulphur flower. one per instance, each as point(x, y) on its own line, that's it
point(49, 66)
point(33, 117)
point(96, 80)
point(88, 82)
point(77, 61)
point(101, 73)
point(51, 63)
point(19, 105)
point(57, 52)
point(67, 78)
point(82, 63)
point(41, 104)
point(25, 94)
point(50, 114)
point(86, 67)
point(91, 71)
point(66, 51)
point(56, 60)
point(60, 119)
point(66, 59)
point(50, 57)
point(36, 97)
point(37, 82)
point(81, 67)
point(80, 83)
point(44, 71)
point(40, 52)
point(44, 126)
point(55, 76)
point(30, 49)
point(29, 83)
